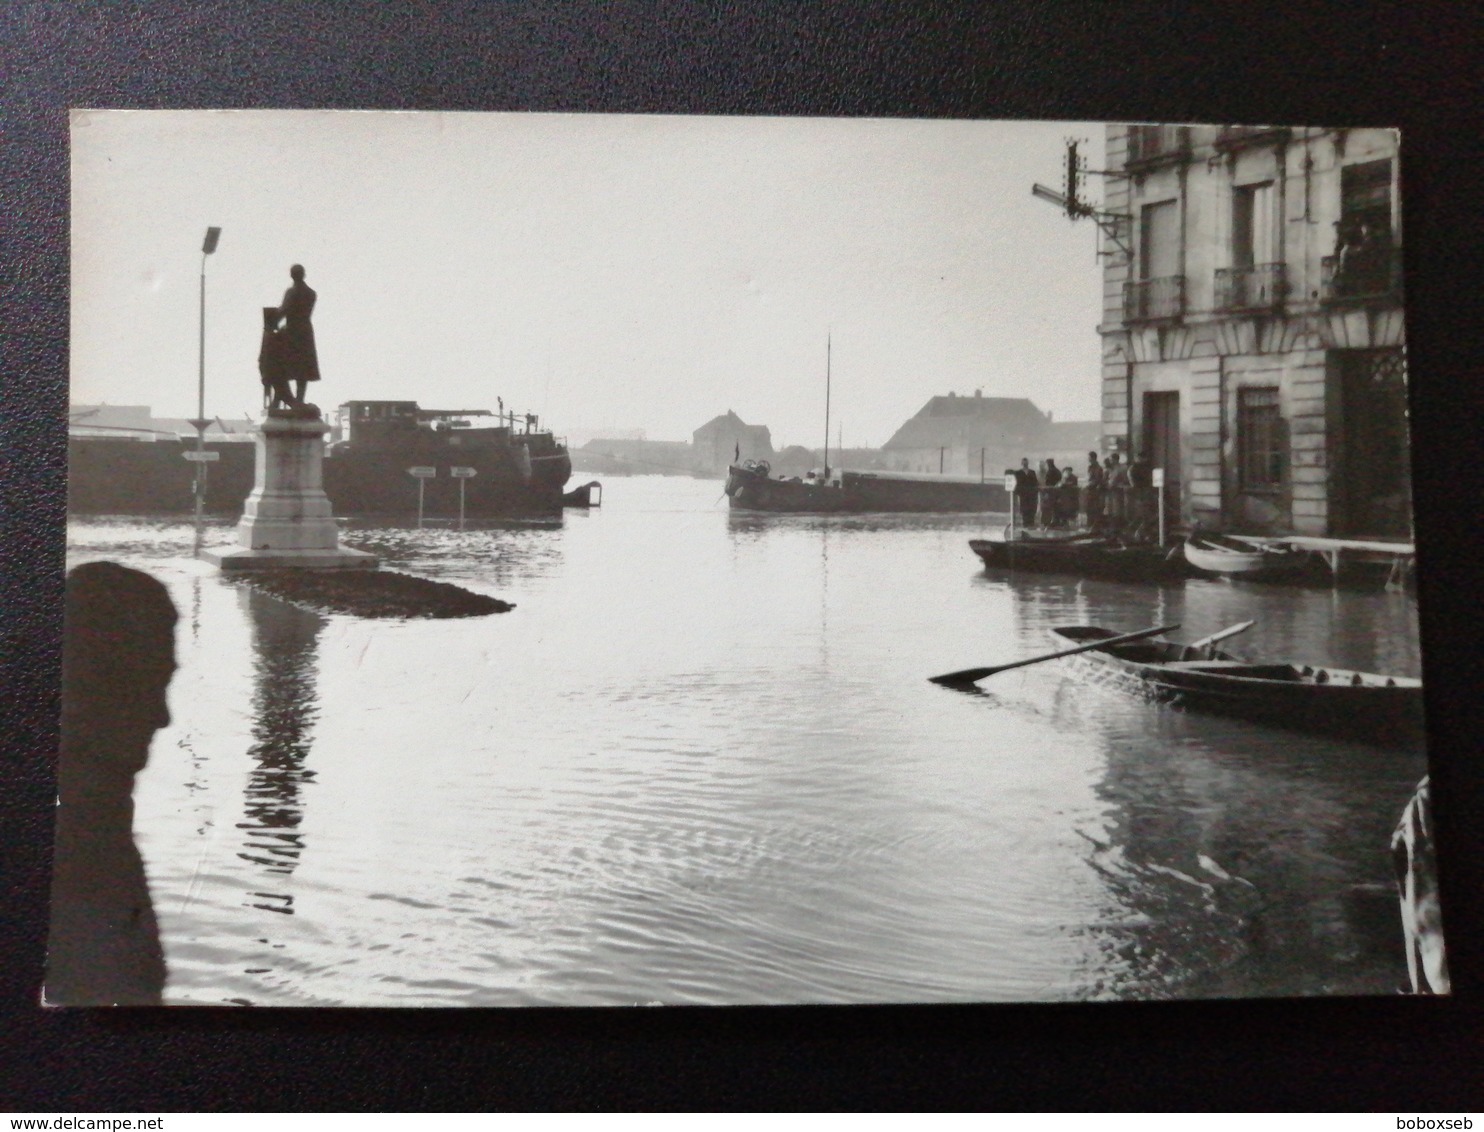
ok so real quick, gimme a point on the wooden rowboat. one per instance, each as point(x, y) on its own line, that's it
point(1231, 557)
point(1333, 701)
point(1088, 557)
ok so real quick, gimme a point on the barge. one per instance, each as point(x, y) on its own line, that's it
point(751, 487)
point(508, 467)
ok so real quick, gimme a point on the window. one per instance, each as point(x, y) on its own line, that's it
point(1365, 195)
point(1159, 240)
point(1259, 439)
point(1252, 225)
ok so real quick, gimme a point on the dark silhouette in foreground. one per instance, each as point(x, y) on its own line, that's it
point(117, 660)
point(1415, 857)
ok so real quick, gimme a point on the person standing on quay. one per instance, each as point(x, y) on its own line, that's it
point(1092, 505)
point(1027, 488)
point(297, 359)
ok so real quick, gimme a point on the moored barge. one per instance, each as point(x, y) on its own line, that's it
point(751, 487)
point(508, 467)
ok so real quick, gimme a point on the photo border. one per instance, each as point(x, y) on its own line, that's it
point(1127, 62)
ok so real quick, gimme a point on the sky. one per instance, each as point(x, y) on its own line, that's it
point(608, 272)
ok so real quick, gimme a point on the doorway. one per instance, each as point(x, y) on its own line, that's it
point(1161, 447)
point(1375, 490)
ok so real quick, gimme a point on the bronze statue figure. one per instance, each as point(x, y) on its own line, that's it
point(276, 391)
point(288, 353)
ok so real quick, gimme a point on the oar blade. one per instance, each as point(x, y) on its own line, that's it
point(972, 675)
point(962, 679)
point(1229, 631)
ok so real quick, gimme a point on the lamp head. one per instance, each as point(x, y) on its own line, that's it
point(212, 235)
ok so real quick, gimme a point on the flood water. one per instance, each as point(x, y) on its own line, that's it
point(701, 762)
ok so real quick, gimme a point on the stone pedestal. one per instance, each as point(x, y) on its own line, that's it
point(287, 520)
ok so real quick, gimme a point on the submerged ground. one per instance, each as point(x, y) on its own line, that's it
point(700, 762)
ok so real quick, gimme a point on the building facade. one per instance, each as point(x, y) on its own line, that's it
point(1253, 334)
point(728, 438)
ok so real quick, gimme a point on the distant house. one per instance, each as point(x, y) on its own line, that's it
point(723, 439)
point(968, 435)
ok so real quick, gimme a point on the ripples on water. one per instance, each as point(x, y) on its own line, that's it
point(701, 763)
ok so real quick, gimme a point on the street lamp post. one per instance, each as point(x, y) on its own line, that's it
point(207, 247)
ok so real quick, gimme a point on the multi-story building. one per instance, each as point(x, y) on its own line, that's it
point(1253, 338)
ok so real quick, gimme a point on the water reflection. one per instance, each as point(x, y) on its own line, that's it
point(1234, 858)
point(702, 763)
point(284, 704)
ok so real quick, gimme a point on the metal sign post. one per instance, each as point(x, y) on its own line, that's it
point(461, 474)
point(1158, 478)
point(201, 458)
point(421, 473)
point(1010, 486)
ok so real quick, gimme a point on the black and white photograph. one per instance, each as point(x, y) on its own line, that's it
point(541, 559)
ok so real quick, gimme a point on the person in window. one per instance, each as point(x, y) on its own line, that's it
point(118, 656)
point(1362, 259)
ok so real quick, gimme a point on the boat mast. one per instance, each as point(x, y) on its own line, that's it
point(827, 407)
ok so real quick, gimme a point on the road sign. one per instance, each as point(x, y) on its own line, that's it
point(1009, 483)
point(462, 473)
point(1159, 477)
point(422, 472)
point(203, 457)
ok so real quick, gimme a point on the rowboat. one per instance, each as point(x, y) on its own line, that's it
point(1232, 557)
point(1089, 557)
point(1332, 701)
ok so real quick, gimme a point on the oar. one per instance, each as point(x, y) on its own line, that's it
point(971, 675)
point(1229, 631)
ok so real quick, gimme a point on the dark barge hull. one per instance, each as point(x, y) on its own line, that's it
point(752, 490)
point(1355, 705)
point(130, 477)
point(1087, 558)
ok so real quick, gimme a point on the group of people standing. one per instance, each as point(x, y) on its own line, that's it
point(1111, 498)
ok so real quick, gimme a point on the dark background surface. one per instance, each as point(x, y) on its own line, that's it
point(1415, 66)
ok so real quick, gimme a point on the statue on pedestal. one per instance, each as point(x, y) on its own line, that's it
point(288, 353)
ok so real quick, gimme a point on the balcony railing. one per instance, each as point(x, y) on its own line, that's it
point(1262, 286)
point(1150, 144)
point(1364, 276)
point(1234, 137)
point(1149, 300)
